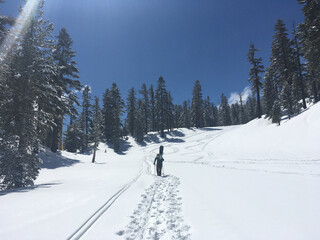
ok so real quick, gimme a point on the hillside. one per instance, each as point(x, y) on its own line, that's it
point(255, 181)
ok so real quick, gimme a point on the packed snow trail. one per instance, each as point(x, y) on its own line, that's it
point(158, 215)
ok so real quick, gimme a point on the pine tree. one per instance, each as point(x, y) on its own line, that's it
point(215, 115)
point(207, 112)
point(251, 107)
point(117, 105)
point(139, 130)
point(235, 114)
point(160, 106)
point(309, 32)
point(281, 51)
point(153, 123)
point(224, 111)
point(296, 94)
point(282, 65)
point(31, 70)
point(186, 122)
point(178, 109)
point(65, 82)
point(96, 131)
point(72, 135)
point(276, 112)
point(131, 111)
point(169, 112)
point(197, 106)
point(242, 113)
point(107, 117)
point(86, 118)
point(269, 90)
point(146, 107)
point(256, 69)
point(299, 78)
point(286, 98)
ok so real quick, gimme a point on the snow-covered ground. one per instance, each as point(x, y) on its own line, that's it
point(257, 181)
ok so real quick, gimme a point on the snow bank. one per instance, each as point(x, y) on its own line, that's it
point(295, 139)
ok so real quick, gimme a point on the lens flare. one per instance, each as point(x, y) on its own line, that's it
point(21, 23)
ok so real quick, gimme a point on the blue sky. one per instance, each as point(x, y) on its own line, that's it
point(131, 42)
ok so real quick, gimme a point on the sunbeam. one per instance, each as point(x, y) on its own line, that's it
point(22, 23)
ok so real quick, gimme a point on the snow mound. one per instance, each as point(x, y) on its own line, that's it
point(294, 139)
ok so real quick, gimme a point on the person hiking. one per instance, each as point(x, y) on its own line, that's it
point(159, 159)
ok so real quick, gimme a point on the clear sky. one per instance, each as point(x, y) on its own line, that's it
point(131, 42)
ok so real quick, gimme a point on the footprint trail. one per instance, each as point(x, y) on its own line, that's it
point(158, 215)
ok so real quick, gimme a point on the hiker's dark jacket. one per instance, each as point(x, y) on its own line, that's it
point(159, 159)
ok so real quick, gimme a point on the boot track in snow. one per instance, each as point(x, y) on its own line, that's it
point(158, 215)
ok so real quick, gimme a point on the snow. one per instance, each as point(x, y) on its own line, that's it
point(256, 181)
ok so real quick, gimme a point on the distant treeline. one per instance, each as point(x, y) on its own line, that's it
point(39, 82)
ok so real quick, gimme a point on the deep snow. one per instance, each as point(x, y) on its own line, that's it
point(251, 182)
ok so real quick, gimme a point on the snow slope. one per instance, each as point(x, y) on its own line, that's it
point(257, 181)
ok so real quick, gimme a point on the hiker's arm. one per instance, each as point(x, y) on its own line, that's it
point(154, 162)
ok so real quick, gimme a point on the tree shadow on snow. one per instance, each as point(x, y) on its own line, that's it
point(155, 138)
point(176, 133)
point(152, 138)
point(211, 129)
point(55, 160)
point(174, 140)
point(124, 147)
point(28, 189)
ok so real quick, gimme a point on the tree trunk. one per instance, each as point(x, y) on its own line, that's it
point(315, 91)
point(60, 137)
point(258, 103)
point(55, 133)
point(94, 154)
point(301, 84)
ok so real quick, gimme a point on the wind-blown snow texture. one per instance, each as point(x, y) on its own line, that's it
point(257, 181)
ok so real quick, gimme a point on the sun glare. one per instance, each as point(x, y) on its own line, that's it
point(22, 22)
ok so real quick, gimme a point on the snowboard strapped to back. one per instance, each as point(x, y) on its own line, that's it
point(161, 150)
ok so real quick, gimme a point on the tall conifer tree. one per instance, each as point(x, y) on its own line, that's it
point(269, 91)
point(299, 77)
point(32, 69)
point(282, 65)
point(309, 32)
point(186, 122)
point(139, 129)
point(65, 82)
point(106, 115)
point(224, 111)
point(197, 106)
point(131, 111)
point(256, 69)
point(146, 107)
point(96, 130)
point(153, 124)
point(160, 106)
point(86, 118)
point(117, 105)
